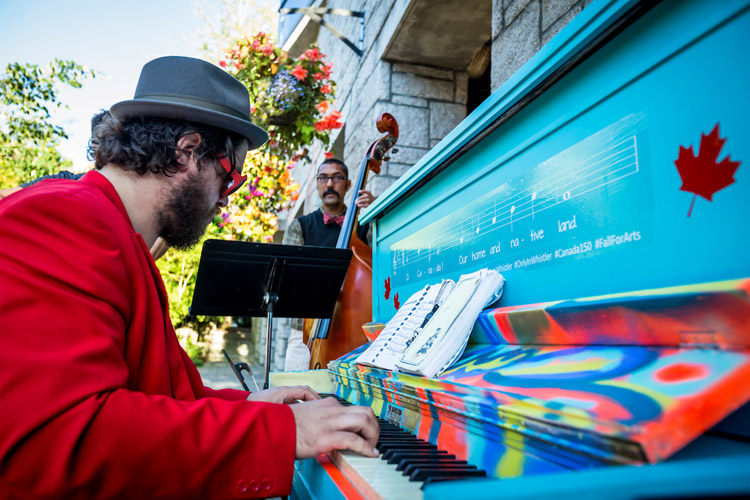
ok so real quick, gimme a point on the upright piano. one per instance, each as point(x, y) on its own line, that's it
point(608, 182)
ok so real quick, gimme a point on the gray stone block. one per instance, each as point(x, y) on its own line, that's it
point(408, 84)
point(511, 9)
point(515, 45)
point(560, 24)
point(462, 87)
point(379, 183)
point(418, 69)
point(444, 117)
point(396, 170)
point(407, 155)
point(552, 10)
point(497, 18)
point(409, 101)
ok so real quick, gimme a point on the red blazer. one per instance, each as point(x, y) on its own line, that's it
point(97, 398)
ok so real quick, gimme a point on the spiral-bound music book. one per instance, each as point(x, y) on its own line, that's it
point(430, 331)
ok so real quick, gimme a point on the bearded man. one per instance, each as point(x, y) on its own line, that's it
point(99, 400)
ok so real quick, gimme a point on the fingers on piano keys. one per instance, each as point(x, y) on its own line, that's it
point(420, 460)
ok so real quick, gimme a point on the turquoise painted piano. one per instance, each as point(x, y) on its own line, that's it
point(608, 181)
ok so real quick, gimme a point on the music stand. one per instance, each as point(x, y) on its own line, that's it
point(245, 279)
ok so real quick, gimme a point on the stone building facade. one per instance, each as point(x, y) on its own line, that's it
point(429, 63)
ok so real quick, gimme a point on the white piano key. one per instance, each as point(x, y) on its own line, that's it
point(375, 478)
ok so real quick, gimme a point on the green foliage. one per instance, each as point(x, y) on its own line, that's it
point(178, 270)
point(28, 139)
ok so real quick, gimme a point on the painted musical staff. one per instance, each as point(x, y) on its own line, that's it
point(555, 184)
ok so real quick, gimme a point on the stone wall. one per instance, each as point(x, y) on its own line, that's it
point(521, 27)
point(427, 101)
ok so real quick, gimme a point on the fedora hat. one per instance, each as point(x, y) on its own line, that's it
point(185, 88)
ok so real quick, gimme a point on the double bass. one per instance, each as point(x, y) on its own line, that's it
point(328, 339)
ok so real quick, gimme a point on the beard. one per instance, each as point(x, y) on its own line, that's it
point(184, 218)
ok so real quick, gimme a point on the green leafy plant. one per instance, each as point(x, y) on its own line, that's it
point(28, 138)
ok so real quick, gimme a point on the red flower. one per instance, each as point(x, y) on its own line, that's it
point(329, 122)
point(329, 155)
point(328, 69)
point(326, 89)
point(267, 48)
point(318, 76)
point(322, 107)
point(333, 119)
point(299, 72)
point(313, 54)
point(223, 64)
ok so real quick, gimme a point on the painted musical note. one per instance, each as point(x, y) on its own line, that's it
point(533, 197)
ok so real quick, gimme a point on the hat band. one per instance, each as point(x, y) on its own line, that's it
point(200, 103)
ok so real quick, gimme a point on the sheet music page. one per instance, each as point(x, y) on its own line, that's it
point(401, 329)
point(430, 337)
point(444, 337)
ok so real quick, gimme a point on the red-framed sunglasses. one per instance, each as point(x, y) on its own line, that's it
point(236, 179)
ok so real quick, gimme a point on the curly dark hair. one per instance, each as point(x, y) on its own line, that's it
point(150, 144)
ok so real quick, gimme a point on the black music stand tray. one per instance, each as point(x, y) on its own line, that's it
point(241, 279)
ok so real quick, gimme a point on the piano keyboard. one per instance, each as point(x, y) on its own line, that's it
point(405, 465)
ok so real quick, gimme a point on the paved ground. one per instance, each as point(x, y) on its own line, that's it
point(218, 375)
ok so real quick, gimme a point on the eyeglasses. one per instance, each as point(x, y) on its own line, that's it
point(236, 180)
point(337, 179)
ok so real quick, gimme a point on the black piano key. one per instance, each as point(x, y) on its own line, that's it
point(395, 442)
point(458, 472)
point(440, 479)
point(407, 445)
point(398, 456)
point(393, 449)
point(406, 465)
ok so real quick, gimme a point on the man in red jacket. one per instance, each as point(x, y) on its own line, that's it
point(98, 400)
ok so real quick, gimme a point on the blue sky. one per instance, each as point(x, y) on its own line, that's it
point(115, 38)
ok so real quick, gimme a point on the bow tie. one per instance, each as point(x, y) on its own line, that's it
point(329, 219)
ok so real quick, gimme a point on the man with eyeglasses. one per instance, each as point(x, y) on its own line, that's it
point(321, 228)
point(98, 399)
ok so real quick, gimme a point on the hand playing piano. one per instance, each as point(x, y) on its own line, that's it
point(326, 425)
point(284, 395)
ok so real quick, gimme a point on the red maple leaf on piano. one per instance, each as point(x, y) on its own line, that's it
point(387, 287)
point(702, 175)
point(396, 302)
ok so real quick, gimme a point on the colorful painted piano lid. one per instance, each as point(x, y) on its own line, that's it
point(568, 372)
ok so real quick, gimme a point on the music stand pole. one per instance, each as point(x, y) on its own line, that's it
point(269, 300)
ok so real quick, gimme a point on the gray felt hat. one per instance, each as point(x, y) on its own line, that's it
point(189, 89)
